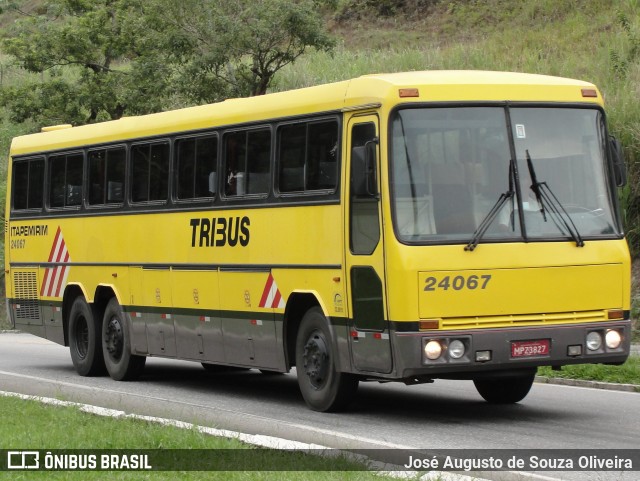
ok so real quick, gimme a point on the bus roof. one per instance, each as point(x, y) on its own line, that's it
point(367, 90)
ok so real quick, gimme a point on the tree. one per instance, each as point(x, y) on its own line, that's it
point(235, 47)
point(86, 53)
point(100, 59)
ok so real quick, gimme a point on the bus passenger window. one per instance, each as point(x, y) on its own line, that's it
point(65, 183)
point(150, 175)
point(307, 156)
point(20, 185)
point(106, 176)
point(322, 159)
point(291, 157)
point(28, 180)
point(196, 167)
point(247, 162)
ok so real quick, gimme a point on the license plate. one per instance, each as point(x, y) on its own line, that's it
point(539, 347)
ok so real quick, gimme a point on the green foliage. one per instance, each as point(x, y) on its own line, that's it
point(38, 426)
point(623, 57)
point(624, 108)
point(168, 54)
point(234, 48)
point(80, 47)
point(99, 59)
point(593, 40)
point(628, 373)
point(356, 9)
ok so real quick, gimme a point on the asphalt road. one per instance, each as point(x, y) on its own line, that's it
point(443, 415)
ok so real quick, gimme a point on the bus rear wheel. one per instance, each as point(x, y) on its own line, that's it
point(121, 364)
point(84, 339)
point(505, 390)
point(323, 387)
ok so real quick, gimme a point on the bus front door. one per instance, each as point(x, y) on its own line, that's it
point(368, 323)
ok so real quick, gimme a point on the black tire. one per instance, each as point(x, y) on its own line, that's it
point(323, 388)
point(84, 339)
point(505, 390)
point(121, 364)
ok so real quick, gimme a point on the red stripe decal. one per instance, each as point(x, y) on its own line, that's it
point(55, 242)
point(265, 293)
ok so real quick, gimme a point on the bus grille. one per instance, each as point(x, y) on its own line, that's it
point(577, 317)
point(25, 284)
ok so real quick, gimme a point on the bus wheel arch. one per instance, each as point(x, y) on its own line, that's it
point(323, 387)
point(71, 293)
point(121, 363)
point(102, 296)
point(83, 334)
point(298, 304)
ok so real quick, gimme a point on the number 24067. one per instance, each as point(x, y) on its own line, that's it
point(457, 283)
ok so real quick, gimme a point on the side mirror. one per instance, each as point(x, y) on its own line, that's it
point(618, 163)
point(364, 179)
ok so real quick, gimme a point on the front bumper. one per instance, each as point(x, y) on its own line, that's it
point(563, 340)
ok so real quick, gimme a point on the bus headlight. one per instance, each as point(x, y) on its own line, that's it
point(594, 341)
point(433, 350)
point(456, 349)
point(613, 339)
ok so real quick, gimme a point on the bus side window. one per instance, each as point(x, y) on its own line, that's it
point(291, 157)
point(196, 163)
point(150, 172)
point(116, 166)
point(65, 187)
point(308, 156)
point(363, 212)
point(28, 184)
point(106, 176)
point(247, 160)
point(235, 158)
point(258, 177)
point(322, 155)
point(20, 185)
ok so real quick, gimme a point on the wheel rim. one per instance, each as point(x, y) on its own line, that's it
point(114, 338)
point(82, 337)
point(316, 360)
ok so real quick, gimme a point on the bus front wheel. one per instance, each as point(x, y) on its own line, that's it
point(121, 364)
point(84, 339)
point(323, 387)
point(505, 390)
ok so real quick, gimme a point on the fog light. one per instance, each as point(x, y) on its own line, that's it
point(433, 350)
point(594, 341)
point(574, 350)
point(483, 356)
point(456, 349)
point(613, 339)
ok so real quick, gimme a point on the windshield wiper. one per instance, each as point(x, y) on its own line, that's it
point(545, 196)
point(493, 213)
point(535, 185)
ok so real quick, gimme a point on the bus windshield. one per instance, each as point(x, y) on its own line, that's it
point(503, 174)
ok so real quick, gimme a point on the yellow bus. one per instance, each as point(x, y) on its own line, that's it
point(398, 227)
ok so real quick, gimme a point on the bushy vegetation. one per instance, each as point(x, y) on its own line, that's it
point(628, 373)
point(593, 40)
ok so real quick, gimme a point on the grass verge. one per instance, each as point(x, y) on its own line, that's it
point(628, 373)
point(32, 425)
